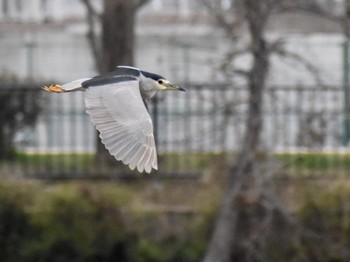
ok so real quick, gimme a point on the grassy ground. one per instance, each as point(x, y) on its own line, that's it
point(296, 164)
point(85, 164)
point(154, 220)
point(315, 164)
point(159, 220)
point(101, 221)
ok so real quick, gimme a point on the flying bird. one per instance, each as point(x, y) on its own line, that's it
point(116, 104)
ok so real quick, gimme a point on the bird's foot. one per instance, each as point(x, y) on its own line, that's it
point(54, 88)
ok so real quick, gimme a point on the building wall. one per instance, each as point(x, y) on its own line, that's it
point(60, 10)
point(45, 40)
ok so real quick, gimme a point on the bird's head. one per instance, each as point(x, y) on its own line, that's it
point(160, 83)
point(163, 84)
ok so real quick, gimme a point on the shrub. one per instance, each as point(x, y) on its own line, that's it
point(324, 216)
point(89, 221)
point(80, 222)
point(16, 230)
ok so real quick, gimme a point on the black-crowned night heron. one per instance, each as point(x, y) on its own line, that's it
point(116, 104)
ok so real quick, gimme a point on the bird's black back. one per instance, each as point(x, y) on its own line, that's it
point(120, 74)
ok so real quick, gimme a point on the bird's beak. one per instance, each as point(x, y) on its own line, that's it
point(181, 89)
point(174, 87)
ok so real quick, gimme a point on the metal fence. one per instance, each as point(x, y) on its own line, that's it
point(305, 128)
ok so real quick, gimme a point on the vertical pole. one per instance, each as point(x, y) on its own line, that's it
point(186, 101)
point(2, 8)
point(186, 52)
point(29, 46)
point(346, 123)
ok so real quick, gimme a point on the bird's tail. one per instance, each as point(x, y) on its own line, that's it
point(69, 87)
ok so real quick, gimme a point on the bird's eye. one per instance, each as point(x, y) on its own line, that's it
point(160, 82)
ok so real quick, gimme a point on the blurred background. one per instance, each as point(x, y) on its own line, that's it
point(267, 79)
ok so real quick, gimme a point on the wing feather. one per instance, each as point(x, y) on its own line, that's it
point(145, 157)
point(125, 127)
point(134, 160)
point(131, 151)
point(121, 150)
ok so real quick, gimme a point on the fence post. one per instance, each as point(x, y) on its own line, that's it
point(346, 123)
point(29, 46)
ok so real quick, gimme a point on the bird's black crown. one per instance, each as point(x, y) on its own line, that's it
point(151, 75)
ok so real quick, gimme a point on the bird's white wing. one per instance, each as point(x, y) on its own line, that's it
point(125, 127)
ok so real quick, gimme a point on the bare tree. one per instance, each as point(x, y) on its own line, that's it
point(250, 206)
point(114, 45)
point(238, 198)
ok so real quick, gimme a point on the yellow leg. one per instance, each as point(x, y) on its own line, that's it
point(54, 88)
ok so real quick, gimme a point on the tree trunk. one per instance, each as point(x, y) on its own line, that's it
point(117, 47)
point(233, 222)
point(118, 22)
point(3, 151)
point(346, 25)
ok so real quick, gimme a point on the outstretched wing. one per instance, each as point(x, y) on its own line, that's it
point(125, 127)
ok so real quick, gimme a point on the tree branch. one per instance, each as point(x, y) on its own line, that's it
point(229, 24)
point(91, 16)
point(91, 10)
point(311, 7)
point(311, 68)
point(140, 3)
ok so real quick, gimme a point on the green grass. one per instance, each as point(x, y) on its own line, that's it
point(316, 162)
point(192, 161)
point(65, 159)
point(40, 163)
point(195, 162)
point(83, 162)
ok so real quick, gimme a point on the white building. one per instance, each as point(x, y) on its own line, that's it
point(45, 40)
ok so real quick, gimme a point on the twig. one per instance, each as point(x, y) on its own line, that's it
point(314, 71)
point(91, 34)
